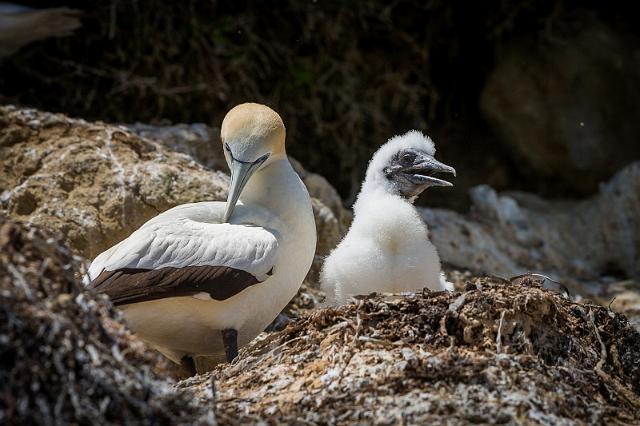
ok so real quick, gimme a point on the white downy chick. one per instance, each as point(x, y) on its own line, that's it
point(387, 248)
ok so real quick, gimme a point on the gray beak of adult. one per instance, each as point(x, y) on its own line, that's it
point(241, 172)
point(422, 173)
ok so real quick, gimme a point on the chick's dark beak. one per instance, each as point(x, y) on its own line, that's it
point(423, 171)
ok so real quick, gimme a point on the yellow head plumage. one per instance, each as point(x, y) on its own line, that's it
point(251, 128)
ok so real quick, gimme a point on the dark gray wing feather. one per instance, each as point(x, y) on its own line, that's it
point(124, 286)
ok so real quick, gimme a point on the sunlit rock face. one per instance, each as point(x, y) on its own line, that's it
point(94, 183)
point(562, 102)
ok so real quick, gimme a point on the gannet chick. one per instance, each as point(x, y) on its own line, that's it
point(387, 248)
point(202, 279)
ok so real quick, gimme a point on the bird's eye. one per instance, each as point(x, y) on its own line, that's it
point(407, 158)
point(226, 146)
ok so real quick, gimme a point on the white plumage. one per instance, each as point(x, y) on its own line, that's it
point(194, 235)
point(198, 271)
point(387, 248)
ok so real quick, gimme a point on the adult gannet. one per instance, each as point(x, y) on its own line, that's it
point(202, 278)
point(387, 248)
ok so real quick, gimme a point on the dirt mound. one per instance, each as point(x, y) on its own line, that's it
point(497, 352)
point(65, 357)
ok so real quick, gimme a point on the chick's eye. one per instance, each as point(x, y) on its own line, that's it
point(407, 158)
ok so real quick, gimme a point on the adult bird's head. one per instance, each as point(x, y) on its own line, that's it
point(252, 136)
point(406, 166)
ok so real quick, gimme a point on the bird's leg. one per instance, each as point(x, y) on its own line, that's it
point(188, 364)
point(230, 341)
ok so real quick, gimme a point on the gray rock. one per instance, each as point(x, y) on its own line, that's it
point(512, 233)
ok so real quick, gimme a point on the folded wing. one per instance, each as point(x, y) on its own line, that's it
point(183, 257)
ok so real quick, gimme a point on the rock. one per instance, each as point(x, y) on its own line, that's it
point(564, 104)
point(509, 234)
point(66, 355)
point(197, 140)
point(91, 182)
point(496, 353)
point(321, 189)
point(21, 25)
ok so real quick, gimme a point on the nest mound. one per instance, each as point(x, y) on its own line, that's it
point(65, 357)
point(496, 353)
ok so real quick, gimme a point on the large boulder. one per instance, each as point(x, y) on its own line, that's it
point(563, 102)
point(512, 233)
point(94, 183)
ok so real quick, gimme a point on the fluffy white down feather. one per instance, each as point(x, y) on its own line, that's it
point(387, 248)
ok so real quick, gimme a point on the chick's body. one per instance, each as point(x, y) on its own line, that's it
point(387, 249)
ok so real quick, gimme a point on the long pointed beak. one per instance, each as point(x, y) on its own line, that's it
point(423, 172)
point(241, 171)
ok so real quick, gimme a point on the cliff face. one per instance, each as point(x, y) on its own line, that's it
point(91, 182)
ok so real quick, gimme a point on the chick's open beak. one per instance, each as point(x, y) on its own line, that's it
point(422, 173)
